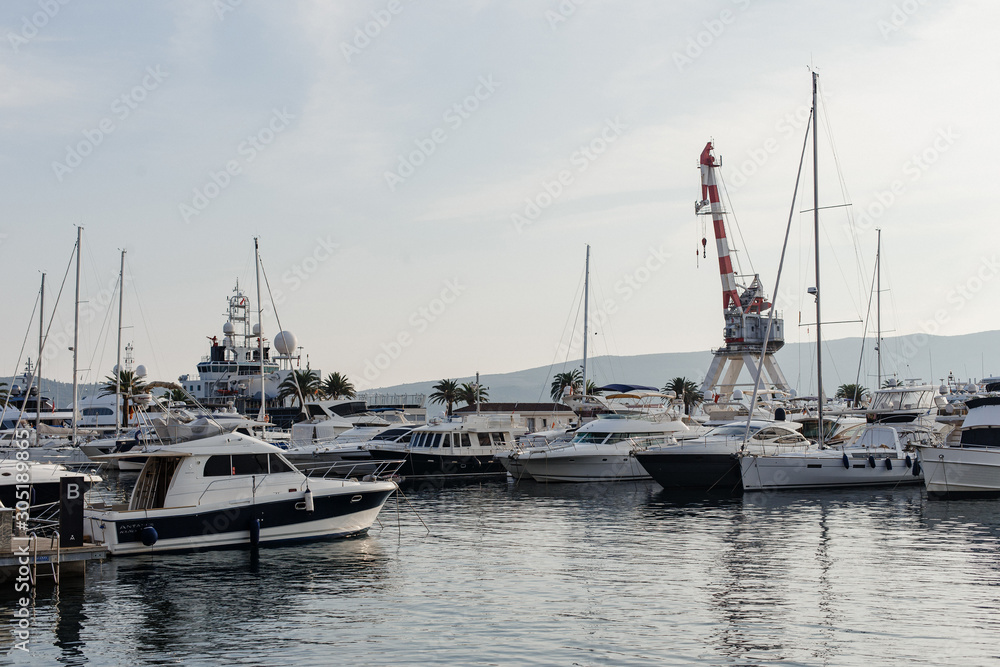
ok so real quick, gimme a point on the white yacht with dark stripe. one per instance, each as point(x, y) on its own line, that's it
point(232, 490)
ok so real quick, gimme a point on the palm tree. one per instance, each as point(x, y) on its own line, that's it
point(445, 391)
point(130, 385)
point(338, 386)
point(299, 384)
point(592, 389)
point(560, 381)
point(176, 396)
point(687, 391)
point(853, 392)
point(470, 393)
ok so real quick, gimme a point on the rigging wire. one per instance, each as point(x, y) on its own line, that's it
point(153, 346)
point(45, 338)
point(739, 230)
point(569, 317)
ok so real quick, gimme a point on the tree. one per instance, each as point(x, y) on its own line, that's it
point(687, 391)
point(468, 393)
point(338, 386)
point(299, 384)
point(592, 389)
point(446, 392)
point(130, 385)
point(176, 396)
point(560, 381)
point(853, 392)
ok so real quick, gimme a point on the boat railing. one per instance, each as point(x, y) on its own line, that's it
point(367, 470)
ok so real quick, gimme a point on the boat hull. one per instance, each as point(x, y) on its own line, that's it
point(957, 472)
point(339, 514)
point(693, 472)
point(817, 472)
point(585, 468)
point(418, 466)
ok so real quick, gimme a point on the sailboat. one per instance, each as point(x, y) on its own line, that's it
point(876, 456)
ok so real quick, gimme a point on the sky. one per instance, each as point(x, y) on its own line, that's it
point(424, 178)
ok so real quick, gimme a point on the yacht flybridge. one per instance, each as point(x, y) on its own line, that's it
point(230, 490)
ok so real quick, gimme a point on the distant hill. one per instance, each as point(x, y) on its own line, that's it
point(929, 358)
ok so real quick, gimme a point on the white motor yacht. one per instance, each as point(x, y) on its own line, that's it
point(228, 490)
point(971, 467)
point(600, 451)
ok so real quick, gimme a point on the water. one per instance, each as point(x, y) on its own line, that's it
point(564, 575)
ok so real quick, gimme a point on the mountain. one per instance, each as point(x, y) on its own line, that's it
point(917, 356)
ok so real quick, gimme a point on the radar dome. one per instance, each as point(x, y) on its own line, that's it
point(285, 343)
point(228, 329)
point(738, 395)
point(256, 329)
point(140, 371)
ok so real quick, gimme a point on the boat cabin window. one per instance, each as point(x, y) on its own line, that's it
point(982, 437)
point(590, 436)
point(434, 439)
point(466, 442)
point(770, 433)
point(278, 464)
point(250, 464)
point(225, 465)
point(733, 429)
point(499, 439)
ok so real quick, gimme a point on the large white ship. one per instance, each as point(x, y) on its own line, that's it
point(232, 373)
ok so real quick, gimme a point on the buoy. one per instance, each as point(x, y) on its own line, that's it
point(888, 464)
point(148, 536)
point(254, 532)
point(871, 460)
point(916, 468)
point(847, 462)
point(909, 461)
point(308, 498)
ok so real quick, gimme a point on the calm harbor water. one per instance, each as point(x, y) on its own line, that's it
point(596, 574)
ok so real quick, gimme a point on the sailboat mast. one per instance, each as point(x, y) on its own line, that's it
point(118, 363)
point(260, 331)
point(586, 317)
point(76, 332)
point(878, 306)
point(819, 320)
point(38, 362)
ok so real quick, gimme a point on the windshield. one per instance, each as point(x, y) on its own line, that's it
point(733, 429)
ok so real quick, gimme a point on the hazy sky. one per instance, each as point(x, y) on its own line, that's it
point(424, 176)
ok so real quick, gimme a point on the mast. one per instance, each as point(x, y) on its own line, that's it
point(76, 331)
point(878, 306)
point(586, 317)
point(477, 392)
point(262, 413)
point(38, 362)
point(118, 364)
point(819, 320)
